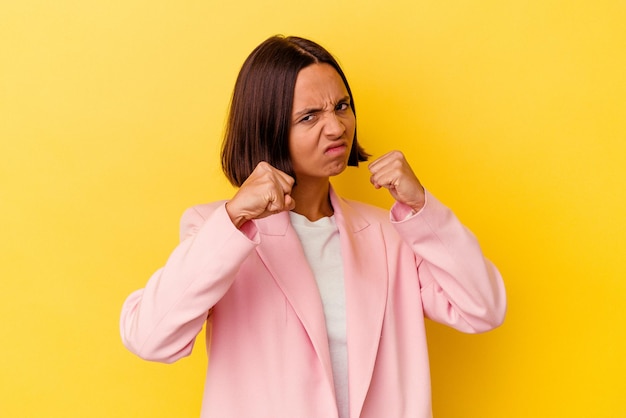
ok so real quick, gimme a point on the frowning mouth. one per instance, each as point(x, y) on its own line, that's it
point(336, 149)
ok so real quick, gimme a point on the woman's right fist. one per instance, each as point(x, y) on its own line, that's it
point(265, 192)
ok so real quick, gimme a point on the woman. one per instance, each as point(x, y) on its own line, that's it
point(314, 304)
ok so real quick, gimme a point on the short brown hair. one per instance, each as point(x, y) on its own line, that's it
point(259, 120)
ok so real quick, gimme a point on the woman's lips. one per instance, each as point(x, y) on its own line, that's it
point(336, 149)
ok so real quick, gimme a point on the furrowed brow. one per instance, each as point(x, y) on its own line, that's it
point(309, 110)
point(306, 112)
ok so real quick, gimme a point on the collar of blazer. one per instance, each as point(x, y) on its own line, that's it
point(365, 275)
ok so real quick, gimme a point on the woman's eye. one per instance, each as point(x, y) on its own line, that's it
point(307, 118)
point(343, 106)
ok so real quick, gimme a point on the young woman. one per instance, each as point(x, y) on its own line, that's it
point(314, 304)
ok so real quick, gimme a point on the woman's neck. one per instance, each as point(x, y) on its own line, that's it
point(312, 199)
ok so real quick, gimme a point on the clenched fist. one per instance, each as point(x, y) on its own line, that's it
point(265, 192)
point(394, 173)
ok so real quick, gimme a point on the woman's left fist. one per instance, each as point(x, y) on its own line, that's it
point(393, 172)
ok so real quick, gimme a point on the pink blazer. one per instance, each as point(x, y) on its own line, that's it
point(266, 336)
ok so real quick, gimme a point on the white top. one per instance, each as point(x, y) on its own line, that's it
point(320, 241)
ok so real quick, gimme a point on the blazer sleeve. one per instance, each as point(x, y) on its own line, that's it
point(161, 321)
point(459, 286)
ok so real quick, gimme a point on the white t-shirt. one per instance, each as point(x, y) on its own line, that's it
point(320, 241)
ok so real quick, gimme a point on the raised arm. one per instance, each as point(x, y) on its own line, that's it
point(460, 287)
point(161, 321)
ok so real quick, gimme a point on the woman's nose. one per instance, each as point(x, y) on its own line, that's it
point(333, 126)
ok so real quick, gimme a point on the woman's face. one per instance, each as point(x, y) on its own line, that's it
point(323, 124)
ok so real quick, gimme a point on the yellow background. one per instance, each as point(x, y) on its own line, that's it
point(513, 113)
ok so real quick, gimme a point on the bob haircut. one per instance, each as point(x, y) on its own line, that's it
point(259, 121)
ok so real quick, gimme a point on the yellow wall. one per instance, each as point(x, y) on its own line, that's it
point(511, 112)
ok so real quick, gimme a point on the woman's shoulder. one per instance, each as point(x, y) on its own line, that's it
point(367, 210)
point(196, 215)
point(203, 210)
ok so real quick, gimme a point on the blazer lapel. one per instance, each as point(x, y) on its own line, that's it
point(366, 283)
point(284, 257)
